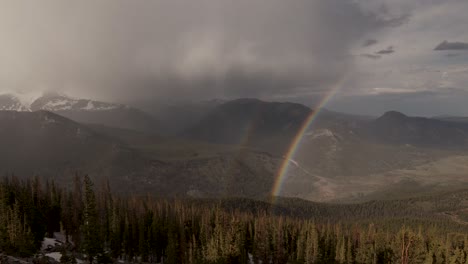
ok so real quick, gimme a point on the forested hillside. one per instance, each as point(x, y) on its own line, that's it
point(106, 227)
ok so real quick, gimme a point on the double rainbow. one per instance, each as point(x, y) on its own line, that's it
point(283, 168)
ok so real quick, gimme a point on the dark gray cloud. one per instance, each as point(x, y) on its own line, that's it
point(451, 55)
point(445, 45)
point(414, 79)
point(369, 42)
point(388, 50)
point(450, 101)
point(371, 56)
point(126, 50)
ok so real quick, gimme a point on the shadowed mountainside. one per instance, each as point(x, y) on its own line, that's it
point(45, 144)
point(238, 148)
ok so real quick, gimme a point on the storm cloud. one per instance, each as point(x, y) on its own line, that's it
point(369, 42)
point(445, 45)
point(129, 51)
point(388, 50)
point(371, 56)
point(126, 50)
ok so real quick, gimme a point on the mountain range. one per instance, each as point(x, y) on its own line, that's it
point(82, 110)
point(52, 146)
point(232, 148)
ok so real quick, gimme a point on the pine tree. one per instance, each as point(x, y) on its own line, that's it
point(349, 251)
point(77, 211)
point(92, 243)
point(341, 250)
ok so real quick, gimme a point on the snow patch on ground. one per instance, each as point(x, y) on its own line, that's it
point(294, 162)
point(54, 255)
point(49, 243)
point(251, 259)
point(320, 133)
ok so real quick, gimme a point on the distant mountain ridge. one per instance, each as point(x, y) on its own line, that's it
point(59, 102)
point(251, 122)
point(460, 119)
point(273, 125)
point(83, 110)
point(179, 116)
point(396, 128)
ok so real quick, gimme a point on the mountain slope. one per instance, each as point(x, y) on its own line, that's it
point(49, 145)
point(176, 117)
point(251, 122)
point(342, 156)
point(184, 167)
point(397, 128)
point(392, 156)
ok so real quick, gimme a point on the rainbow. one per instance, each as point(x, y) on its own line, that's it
point(284, 166)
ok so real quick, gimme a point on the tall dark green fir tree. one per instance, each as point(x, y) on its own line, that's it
point(92, 245)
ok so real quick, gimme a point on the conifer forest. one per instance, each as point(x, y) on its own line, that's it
point(103, 228)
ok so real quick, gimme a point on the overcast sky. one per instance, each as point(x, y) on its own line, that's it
point(407, 55)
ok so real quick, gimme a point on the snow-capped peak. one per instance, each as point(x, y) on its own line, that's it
point(51, 101)
point(22, 99)
point(10, 102)
point(59, 102)
point(27, 98)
